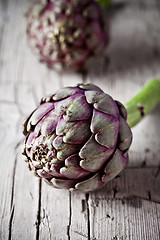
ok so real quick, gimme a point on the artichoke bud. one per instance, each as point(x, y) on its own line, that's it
point(77, 138)
point(51, 24)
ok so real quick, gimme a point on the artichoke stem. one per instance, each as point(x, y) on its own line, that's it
point(143, 103)
point(104, 3)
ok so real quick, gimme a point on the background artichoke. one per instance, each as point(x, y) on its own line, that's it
point(77, 138)
point(67, 34)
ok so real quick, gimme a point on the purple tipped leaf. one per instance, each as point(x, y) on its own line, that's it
point(106, 128)
point(125, 135)
point(73, 108)
point(61, 128)
point(73, 132)
point(90, 184)
point(115, 166)
point(89, 87)
point(49, 124)
point(25, 124)
point(78, 109)
point(63, 183)
point(39, 113)
point(66, 92)
point(30, 140)
point(64, 149)
point(79, 134)
point(53, 169)
point(122, 110)
point(94, 155)
point(49, 142)
point(72, 168)
point(102, 102)
point(43, 174)
point(37, 129)
point(50, 183)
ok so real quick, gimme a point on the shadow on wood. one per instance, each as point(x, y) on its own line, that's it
point(133, 184)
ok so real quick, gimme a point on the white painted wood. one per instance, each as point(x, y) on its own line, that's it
point(79, 216)
point(7, 147)
point(25, 201)
point(142, 183)
point(112, 219)
point(128, 207)
point(55, 213)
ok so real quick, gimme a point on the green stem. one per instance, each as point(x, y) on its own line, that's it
point(104, 3)
point(143, 103)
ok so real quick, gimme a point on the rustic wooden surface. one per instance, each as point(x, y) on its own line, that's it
point(129, 206)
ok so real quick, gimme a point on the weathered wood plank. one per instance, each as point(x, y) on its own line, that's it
point(128, 207)
point(19, 194)
point(7, 149)
point(79, 228)
point(142, 183)
point(8, 135)
point(23, 224)
point(114, 220)
point(54, 213)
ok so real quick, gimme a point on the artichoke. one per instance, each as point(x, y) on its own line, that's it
point(77, 138)
point(67, 34)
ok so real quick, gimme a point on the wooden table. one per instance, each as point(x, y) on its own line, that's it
point(129, 206)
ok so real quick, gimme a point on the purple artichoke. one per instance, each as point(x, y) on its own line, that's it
point(77, 138)
point(67, 34)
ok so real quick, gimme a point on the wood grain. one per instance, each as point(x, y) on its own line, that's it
point(129, 206)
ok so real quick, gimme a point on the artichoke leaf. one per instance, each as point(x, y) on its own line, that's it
point(73, 108)
point(78, 109)
point(102, 102)
point(106, 128)
point(53, 169)
point(39, 113)
point(30, 140)
point(63, 183)
point(64, 150)
point(122, 109)
point(94, 155)
point(125, 135)
point(115, 166)
point(72, 168)
point(73, 132)
point(49, 124)
point(66, 92)
point(43, 174)
point(90, 184)
point(89, 87)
